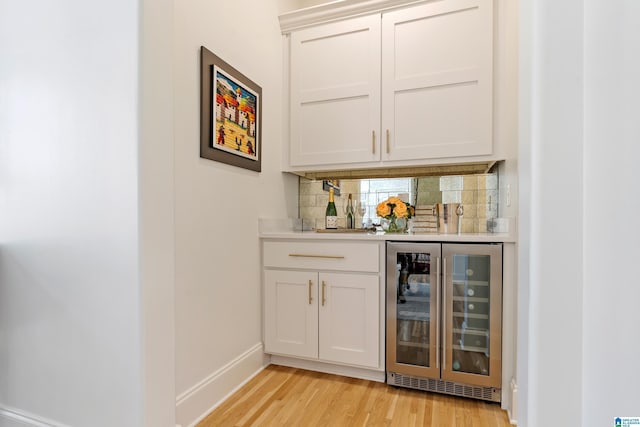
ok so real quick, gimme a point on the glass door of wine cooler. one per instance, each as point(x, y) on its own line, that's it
point(413, 309)
point(472, 321)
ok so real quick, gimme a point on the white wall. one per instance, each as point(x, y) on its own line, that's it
point(87, 196)
point(70, 337)
point(506, 132)
point(218, 290)
point(611, 345)
point(579, 143)
point(290, 5)
point(156, 211)
point(525, 108)
point(556, 211)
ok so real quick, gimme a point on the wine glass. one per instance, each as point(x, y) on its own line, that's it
point(361, 209)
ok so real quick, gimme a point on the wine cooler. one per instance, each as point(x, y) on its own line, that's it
point(444, 318)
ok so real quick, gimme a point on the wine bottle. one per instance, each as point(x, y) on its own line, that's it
point(331, 215)
point(351, 220)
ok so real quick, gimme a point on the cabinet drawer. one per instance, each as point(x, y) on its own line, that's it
point(341, 256)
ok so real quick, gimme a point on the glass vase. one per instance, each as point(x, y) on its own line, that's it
point(394, 225)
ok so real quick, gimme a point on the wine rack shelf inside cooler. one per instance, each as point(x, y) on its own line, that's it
point(470, 282)
point(470, 299)
point(470, 348)
point(470, 339)
point(421, 344)
point(470, 315)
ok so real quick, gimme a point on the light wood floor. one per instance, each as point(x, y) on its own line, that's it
point(281, 396)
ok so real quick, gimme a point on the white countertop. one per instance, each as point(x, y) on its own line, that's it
point(290, 229)
point(430, 237)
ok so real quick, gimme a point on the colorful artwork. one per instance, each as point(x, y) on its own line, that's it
point(235, 116)
point(230, 111)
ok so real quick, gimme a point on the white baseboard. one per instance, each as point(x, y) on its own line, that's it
point(194, 404)
point(330, 368)
point(11, 417)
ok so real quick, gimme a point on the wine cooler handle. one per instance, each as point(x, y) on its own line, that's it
point(438, 288)
point(444, 309)
point(324, 289)
point(310, 292)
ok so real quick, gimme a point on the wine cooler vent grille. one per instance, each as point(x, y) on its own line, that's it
point(441, 386)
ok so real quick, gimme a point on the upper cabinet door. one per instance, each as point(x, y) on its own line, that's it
point(335, 93)
point(437, 80)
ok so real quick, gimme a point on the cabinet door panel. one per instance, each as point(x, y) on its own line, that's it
point(335, 92)
point(449, 128)
point(437, 80)
point(444, 34)
point(349, 320)
point(291, 313)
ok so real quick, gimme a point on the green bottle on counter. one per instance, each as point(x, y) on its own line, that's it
point(331, 215)
point(351, 219)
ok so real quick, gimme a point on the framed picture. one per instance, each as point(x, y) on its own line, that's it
point(231, 109)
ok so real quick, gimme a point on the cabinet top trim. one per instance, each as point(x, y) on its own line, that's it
point(336, 10)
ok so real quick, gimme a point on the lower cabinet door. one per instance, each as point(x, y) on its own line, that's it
point(349, 320)
point(291, 313)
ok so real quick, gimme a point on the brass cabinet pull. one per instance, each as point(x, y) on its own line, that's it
point(388, 147)
point(310, 292)
point(324, 296)
point(373, 141)
point(317, 256)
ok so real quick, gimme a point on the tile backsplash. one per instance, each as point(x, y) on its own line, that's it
point(477, 193)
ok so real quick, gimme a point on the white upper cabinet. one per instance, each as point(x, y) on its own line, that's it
point(407, 86)
point(437, 80)
point(335, 92)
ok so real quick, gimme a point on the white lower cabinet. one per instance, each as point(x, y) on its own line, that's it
point(348, 319)
point(291, 313)
point(329, 316)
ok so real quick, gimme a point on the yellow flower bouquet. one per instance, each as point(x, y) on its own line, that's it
point(396, 212)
